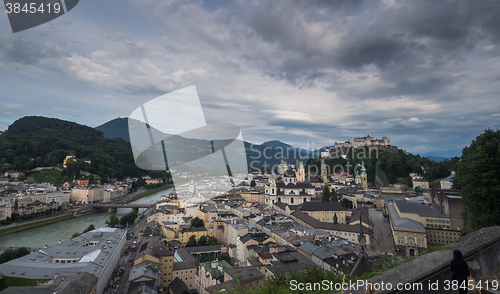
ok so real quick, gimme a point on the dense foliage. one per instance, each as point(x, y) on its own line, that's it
point(197, 222)
point(88, 229)
point(41, 142)
point(113, 221)
point(329, 195)
point(10, 254)
point(128, 219)
point(390, 167)
point(478, 179)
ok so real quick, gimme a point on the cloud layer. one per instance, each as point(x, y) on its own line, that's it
point(423, 73)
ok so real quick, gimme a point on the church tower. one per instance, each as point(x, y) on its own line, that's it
point(364, 177)
point(301, 175)
point(324, 171)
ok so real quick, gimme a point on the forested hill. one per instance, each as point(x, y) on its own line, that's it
point(390, 167)
point(39, 141)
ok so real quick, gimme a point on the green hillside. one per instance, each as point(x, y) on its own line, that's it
point(41, 142)
point(387, 165)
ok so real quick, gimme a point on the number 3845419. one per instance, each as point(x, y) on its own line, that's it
point(33, 8)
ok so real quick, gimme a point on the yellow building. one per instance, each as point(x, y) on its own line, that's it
point(407, 233)
point(71, 157)
point(179, 264)
point(87, 194)
point(328, 212)
point(253, 196)
point(185, 234)
point(436, 223)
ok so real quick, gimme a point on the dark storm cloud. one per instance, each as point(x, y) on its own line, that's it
point(395, 39)
point(419, 87)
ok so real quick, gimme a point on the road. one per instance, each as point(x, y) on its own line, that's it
point(124, 261)
point(381, 230)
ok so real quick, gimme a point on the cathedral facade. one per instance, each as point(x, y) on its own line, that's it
point(289, 187)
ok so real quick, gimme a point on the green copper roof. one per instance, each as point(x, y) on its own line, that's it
point(214, 272)
point(363, 169)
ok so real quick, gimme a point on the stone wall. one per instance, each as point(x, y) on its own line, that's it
point(480, 249)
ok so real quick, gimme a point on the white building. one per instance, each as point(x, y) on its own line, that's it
point(96, 252)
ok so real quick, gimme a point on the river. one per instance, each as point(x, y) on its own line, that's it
point(51, 234)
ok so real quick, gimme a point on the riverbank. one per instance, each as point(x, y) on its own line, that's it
point(150, 192)
point(36, 224)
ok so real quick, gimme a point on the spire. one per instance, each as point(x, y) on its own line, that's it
point(363, 169)
point(361, 235)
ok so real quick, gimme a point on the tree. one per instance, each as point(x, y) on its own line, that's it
point(408, 181)
point(20, 252)
point(418, 190)
point(202, 241)
point(346, 203)
point(213, 241)
point(191, 242)
point(128, 218)
point(326, 193)
point(478, 181)
point(335, 196)
point(76, 234)
point(224, 257)
point(113, 221)
point(89, 228)
point(253, 184)
point(197, 222)
point(9, 254)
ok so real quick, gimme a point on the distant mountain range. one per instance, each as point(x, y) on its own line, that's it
point(258, 155)
point(118, 128)
point(441, 155)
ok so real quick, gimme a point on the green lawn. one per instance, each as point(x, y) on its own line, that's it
point(14, 281)
point(52, 176)
point(20, 228)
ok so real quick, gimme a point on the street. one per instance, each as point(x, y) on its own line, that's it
point(124, 261)
point(382, 231)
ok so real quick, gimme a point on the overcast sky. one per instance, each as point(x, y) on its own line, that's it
point(424, 73)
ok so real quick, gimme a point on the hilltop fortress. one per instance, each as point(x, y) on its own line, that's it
point(364, 141)
point(341, 148)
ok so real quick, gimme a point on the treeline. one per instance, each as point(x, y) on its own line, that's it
point(88, 229)
point(27, 216)
point(128, 219)
point(10, 254)
point(395, 166)
point(41, 142)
